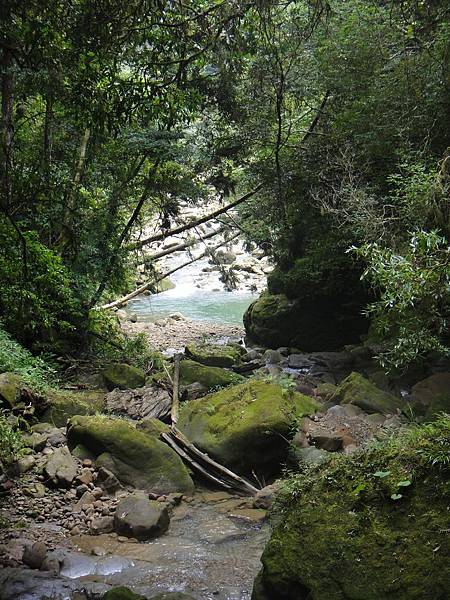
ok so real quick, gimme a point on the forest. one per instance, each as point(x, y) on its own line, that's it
point(292, 159)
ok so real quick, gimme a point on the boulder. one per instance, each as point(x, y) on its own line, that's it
point(139, 403)
point(245, 427)
point(215, 356)
point(357, 390)
point(141, 518)
point(34, 555)
point(61, 467)
point(192, 372)
point(63, 404)
point(432, 395)
point(314, 321)
point(134, 457)
point(10, 388)
point(123, 376)
point(364, 527)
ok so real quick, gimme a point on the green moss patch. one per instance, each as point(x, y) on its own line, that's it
point(246, 426)
point(373, 526)
point(215, 356)
point(356, 389)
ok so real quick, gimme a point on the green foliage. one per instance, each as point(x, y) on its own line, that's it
point(108, 342)
point(38, 372)
point(413, 309)
point(11, 443)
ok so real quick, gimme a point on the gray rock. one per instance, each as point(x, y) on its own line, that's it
point(34, 555)
point(51, 564)
point(251, 355)
point(36, 440)
point(325, 440)
point(272, 357)
point(299, 361)
point(26, 463)
point(102, 525)
point(140, 518)
point(61, 467)
point(108, 481)
point(86, 498)
point(140, 403)
point(264, 498)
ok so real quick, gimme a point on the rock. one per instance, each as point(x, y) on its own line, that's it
point(36, 490)
point(224, 257)
point(341, 533)
point(140, 518)
point(34, 555)
point(135, 458)
point(101, 525)
point(10, 389)
point(431, 395)
point(252, 355)
point(326, 391)
point(86, 499)
point(63, 404)
point(86, 476)
point(61, 468)
point(108, 481)
point(265, 497)
point(121, 593)
point(219, 532)
point(148, 401)
point(255, 516)
point(177, 316)
point(215, 356)
point(245, 426)
point(358, 390)
point(51, 564)
point(26, 463)
point(345, 410)
point(123, 376)
point(272, 357)
point(299, 361)
point(35, 440)
point(325, 440)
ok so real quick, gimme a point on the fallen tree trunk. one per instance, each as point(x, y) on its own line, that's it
point(144, 287)
point(205, 465)
point(192, 224)
point(175, 391)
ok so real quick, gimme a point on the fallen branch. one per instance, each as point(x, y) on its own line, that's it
point(206, 465)
point(192, 224)
point(175, 394)
point(145, 287)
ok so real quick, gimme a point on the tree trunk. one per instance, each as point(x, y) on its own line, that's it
point(7, 65)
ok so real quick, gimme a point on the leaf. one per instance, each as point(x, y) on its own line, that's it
point(404, 483)
point(396, 496)
point(359, 488)
point(381, 474)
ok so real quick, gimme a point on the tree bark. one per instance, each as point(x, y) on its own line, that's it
point(70, 202)
point(8, 81)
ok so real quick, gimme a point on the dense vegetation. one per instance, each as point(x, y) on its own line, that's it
point(112, 112)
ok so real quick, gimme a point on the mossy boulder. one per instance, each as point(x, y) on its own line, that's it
point(10, 389)
point(356, 389)
point(123, 376)
point(306, 312)
point(122, 593)
point(215, 356)
point(135, 458)
point(61, 405)
point(246, 426)
point(194, 372)
point(365, 527)
point(152, 427)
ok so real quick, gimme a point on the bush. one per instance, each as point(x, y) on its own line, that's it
point(11, 444)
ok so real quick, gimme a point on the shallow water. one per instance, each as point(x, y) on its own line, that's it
point(196, 295)
point(205, 554)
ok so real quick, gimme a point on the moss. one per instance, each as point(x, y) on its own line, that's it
point(63, 404)
point(326, 391)
point(152, 427)
point(122, 593)
point(10, 386)
point(123, 376)
point(209, 377)
point(246, 426)
point(366, 527)
point(356, 389)
point(215, 356)
point(136, 458)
